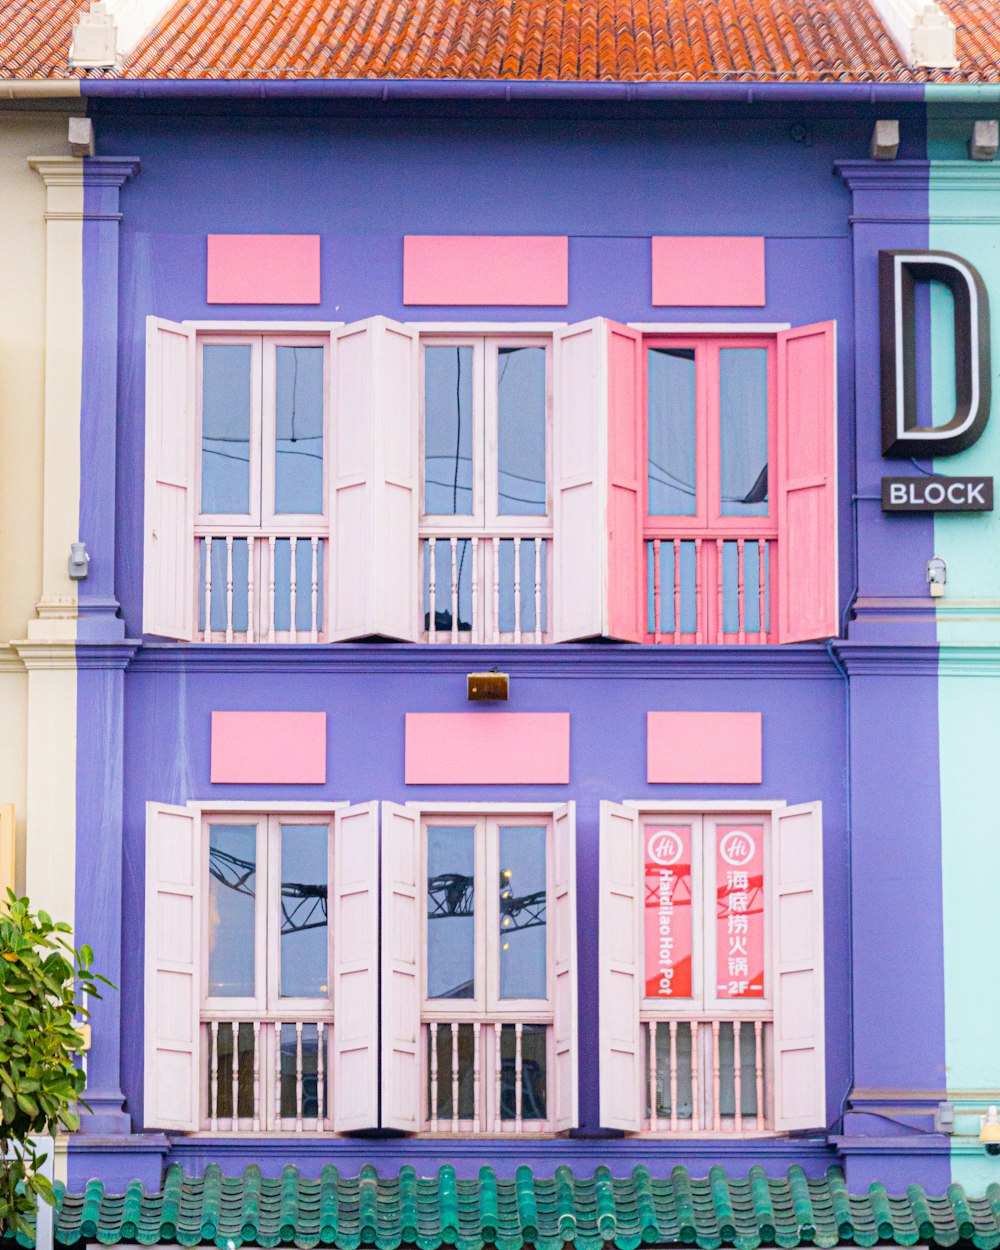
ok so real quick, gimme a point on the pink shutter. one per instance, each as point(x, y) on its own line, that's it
point(375, 436)
point(168, 554)
point(355, 968)
point(173, 968)
point(620, 968)
point(579, 461)
point(626, 582)
point(402, 962)
point(799, 1035)
point(565, 1083)
point(807, 483)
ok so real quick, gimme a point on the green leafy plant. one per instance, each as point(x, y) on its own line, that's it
point(44, 986)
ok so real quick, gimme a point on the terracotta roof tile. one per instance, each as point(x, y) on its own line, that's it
point(567, 40)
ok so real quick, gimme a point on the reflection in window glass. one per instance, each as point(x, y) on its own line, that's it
point(232, 866)
point(533, 1072)
point(522, 912)
point(521, 431)
point(451, 933)
point(672, 432)
point(298, 450)
point(743, 409)
point(303, 905)
point(448, 431)
point(225, 428)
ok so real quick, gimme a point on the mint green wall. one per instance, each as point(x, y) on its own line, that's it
point(964, 205)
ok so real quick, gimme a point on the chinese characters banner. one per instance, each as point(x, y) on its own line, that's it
point(739, 875)
point(668, 911)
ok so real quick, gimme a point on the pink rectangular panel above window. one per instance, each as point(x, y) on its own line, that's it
point(487, 748)
point(708, 272)
point(702, 748)
point(269, 748)
point(263, 269)
point(486, 270)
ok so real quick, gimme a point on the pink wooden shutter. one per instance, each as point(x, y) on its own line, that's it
point(168, 554)
point(799, 1034)
point(564, 1084)
point(173, 968)
point(355, 968)
point(596, 518)
point(620, 968)
point(807, 483)
point(375, 438)
point(402, 963)
point(626, 580)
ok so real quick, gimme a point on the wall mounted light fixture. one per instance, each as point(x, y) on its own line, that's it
point(493, 686)
point(937, 575)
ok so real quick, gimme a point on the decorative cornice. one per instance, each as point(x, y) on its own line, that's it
point(565, 661)
point(46, 655)
point(884, 175)
point(969, 660)
point(875, 659)
point(91, 171)
point(964, 176)
point(105, 655)
point(10, 661)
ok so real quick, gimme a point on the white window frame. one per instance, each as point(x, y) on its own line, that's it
point(265, 1006)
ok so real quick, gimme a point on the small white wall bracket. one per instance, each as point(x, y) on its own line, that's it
point(984, 141)
point(885, 140)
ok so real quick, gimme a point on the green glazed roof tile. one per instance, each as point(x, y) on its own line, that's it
point(526, 1212)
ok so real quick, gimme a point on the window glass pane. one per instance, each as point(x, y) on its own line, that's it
point(743, 415)
point(523, 962)
point(448, 431)
point(671, 431)
point(521, 431)
point(304, 875)
point(533, 1072)
point(232, 867)
point(451, 933)
point(298, 448)
point(225, 428)
point(466, 1055)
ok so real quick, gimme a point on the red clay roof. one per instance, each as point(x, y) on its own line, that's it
point(567, 40)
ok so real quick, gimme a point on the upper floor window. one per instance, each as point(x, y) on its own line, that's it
point(594, 480)
point(711, 965)
point(485, 512)
point(711, 523)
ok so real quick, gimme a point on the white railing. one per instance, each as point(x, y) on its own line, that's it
point(485, 588)
point(264, 1075)
point(487, 1076)
point(261, 587)
point(707, 1075)
point(711, 589)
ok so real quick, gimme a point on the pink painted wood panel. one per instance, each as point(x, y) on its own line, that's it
point(269, 748)
point(263, 269)
point(701, 748)
point(480, 269)
point(708, 272)
point(487, 748)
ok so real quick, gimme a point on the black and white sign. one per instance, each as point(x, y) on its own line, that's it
point(937, 494)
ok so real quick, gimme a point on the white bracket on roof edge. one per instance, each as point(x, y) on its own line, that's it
point(923, 32)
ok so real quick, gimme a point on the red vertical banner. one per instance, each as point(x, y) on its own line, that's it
point(668, 911)
point(739, 931)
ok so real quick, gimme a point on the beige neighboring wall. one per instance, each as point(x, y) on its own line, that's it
point(25, 130)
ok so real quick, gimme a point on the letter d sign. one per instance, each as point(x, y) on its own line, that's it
point(902, 436)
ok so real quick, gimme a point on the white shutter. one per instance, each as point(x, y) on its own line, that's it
point(168, 551)
point(374, 493)
point(620, 967)
point(580, 481)
point(402, 962)
point(564, 1082)
point(799, 1032)
point(355, 968)
point(173, 968)
point(597, 445)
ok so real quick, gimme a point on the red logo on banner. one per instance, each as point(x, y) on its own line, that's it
point(739, 874)
point(668, 912)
